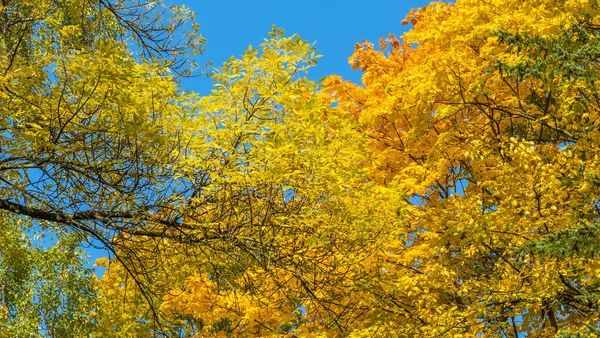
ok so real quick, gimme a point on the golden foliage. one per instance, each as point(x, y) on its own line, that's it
point(475, 116)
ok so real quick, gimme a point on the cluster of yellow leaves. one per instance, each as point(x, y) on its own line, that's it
point(284, 228)
point(487, 168)
point(71, 103)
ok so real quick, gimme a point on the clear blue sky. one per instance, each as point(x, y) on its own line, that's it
point(335, 25)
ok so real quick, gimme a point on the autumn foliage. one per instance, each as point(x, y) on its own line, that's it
point(485, 115)
point(453, 193)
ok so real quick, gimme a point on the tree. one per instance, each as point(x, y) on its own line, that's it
point(261, 192)
point(89, 128)
point(288, 218)
point(92, 121)
point(486, 115)
point(45, 288)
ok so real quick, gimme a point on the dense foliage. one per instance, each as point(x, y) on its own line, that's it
point(46, 290)
point(454, 192)
point(486, 115)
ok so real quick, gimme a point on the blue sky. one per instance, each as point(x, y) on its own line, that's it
point(335, 25)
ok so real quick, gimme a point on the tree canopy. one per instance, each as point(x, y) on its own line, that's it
point(46, 291)
point(451, 193)
point(485, 114)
